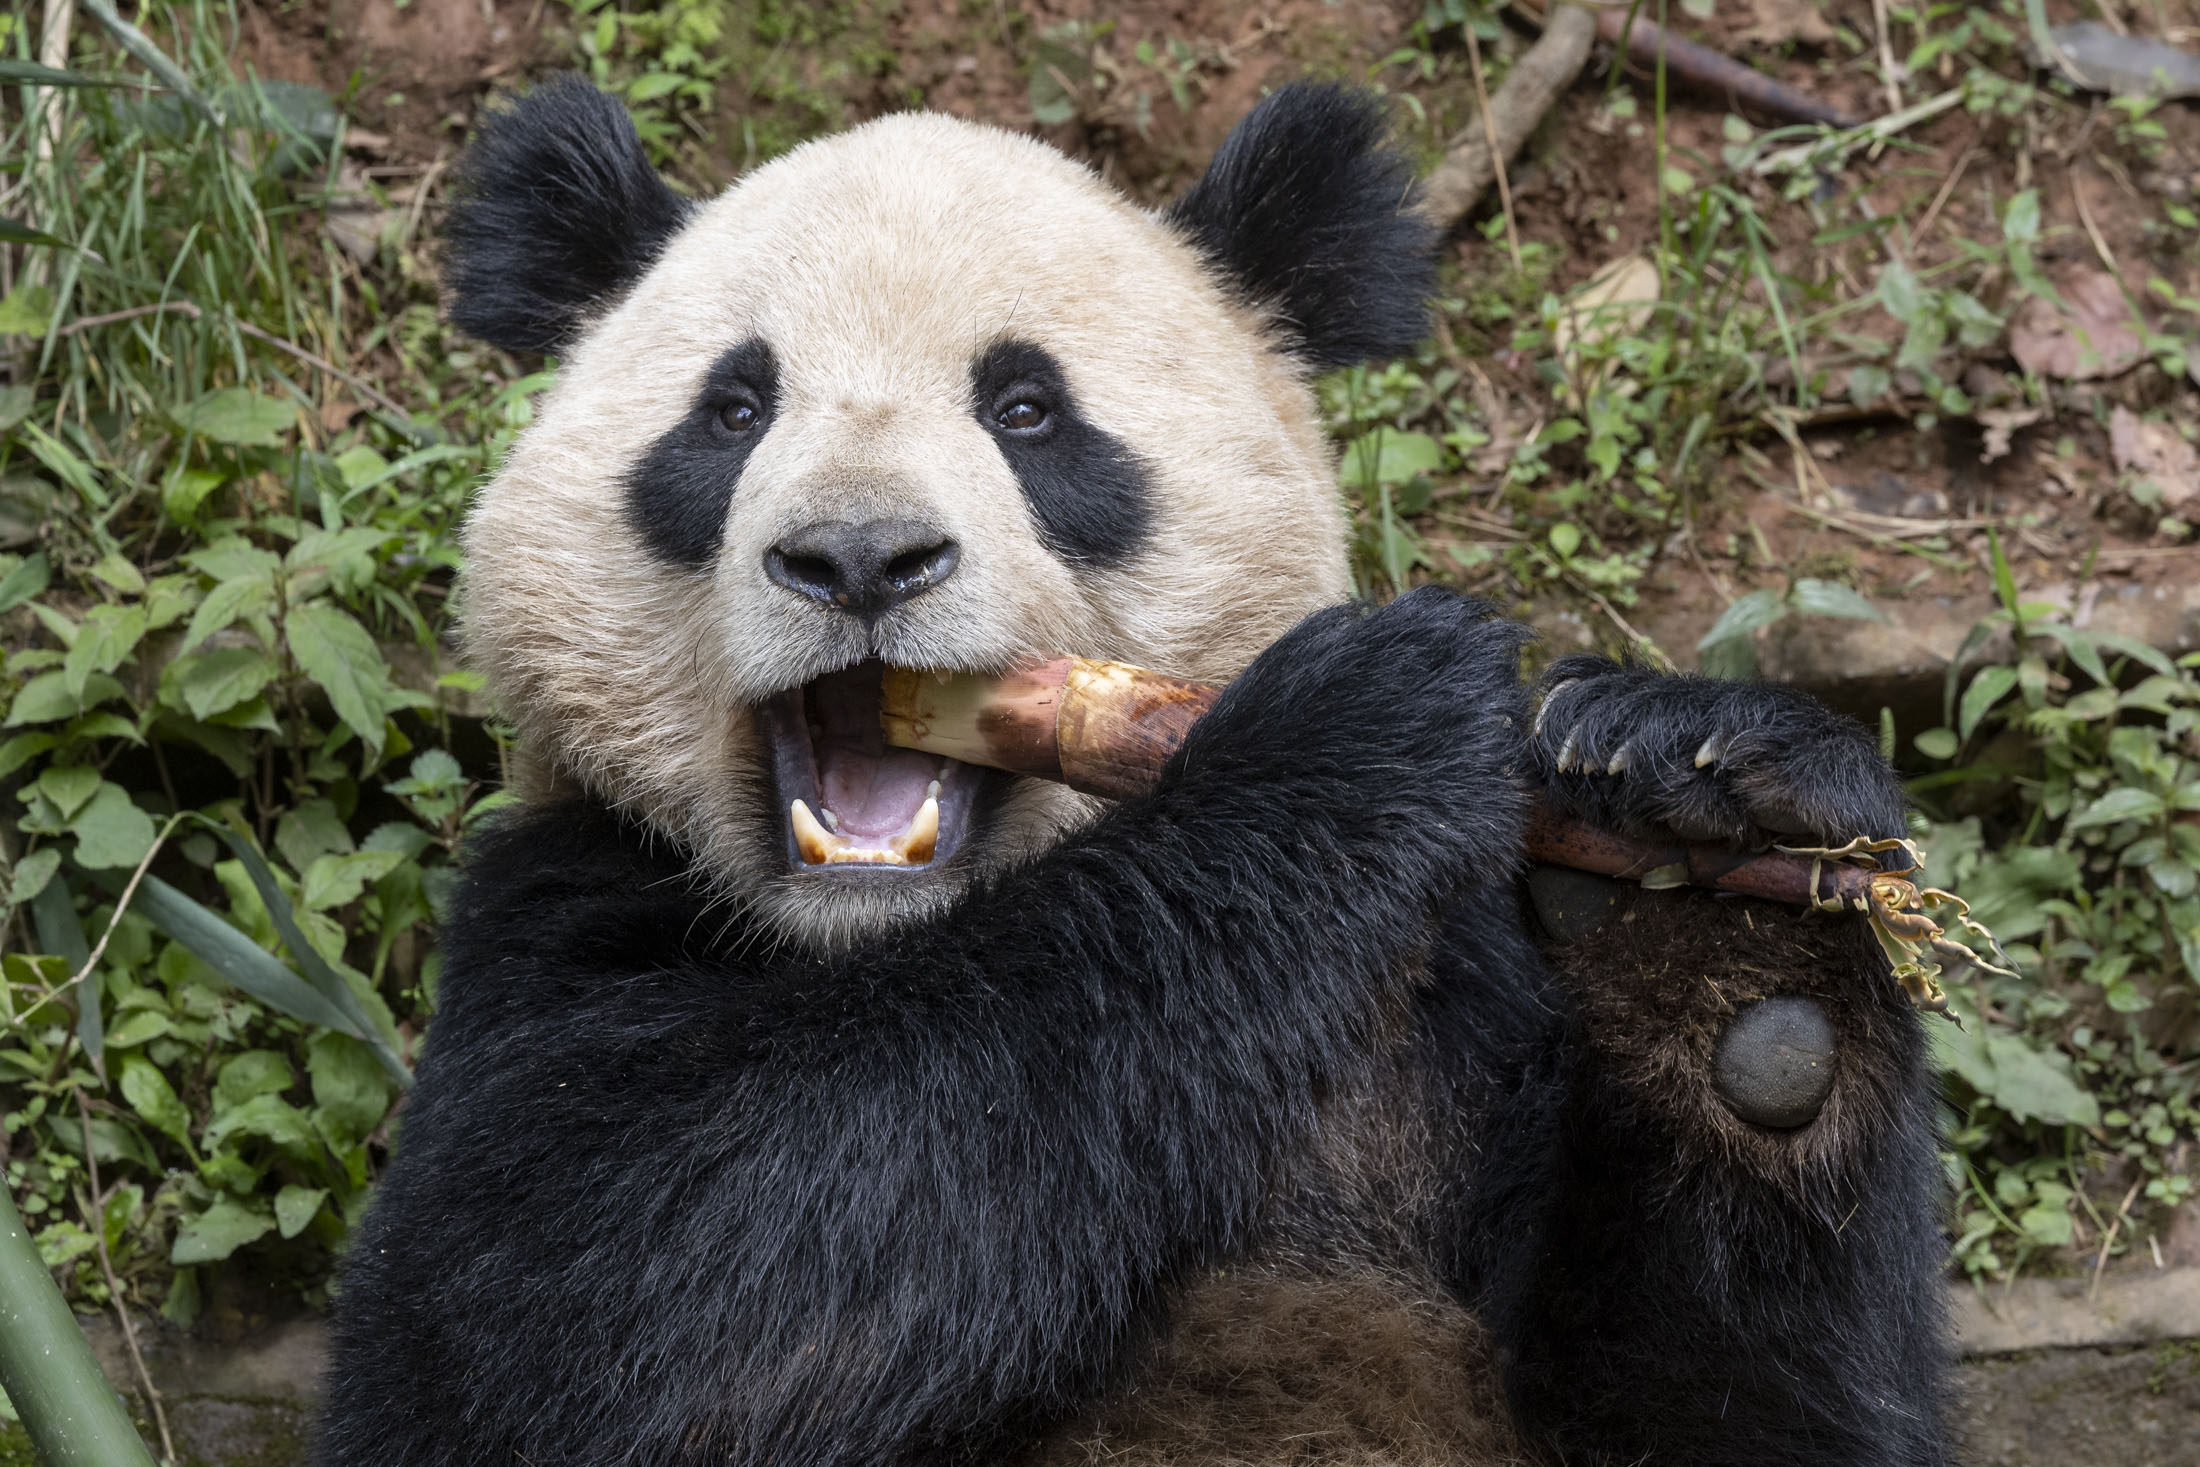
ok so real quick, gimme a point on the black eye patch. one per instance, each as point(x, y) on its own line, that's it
point(678, 494)
point(1090, 495)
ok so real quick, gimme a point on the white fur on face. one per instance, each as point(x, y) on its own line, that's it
point(878, 265)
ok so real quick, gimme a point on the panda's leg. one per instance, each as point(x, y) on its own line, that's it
point(1704, 1225)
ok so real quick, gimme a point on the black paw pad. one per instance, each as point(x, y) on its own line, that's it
point(1774, 1064)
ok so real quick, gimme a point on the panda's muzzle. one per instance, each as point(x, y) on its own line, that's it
point(851, 801)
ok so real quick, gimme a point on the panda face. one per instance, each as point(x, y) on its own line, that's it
point(925, 394)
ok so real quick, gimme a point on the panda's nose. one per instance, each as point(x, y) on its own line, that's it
point(867, 569)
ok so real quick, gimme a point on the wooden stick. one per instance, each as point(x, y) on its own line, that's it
point(1107, 728)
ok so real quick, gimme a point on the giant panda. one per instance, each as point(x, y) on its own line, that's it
point(792, 1099)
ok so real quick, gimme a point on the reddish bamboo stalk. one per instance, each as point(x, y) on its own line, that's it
point(1106, 728)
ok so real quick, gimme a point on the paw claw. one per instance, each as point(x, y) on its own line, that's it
point(1543, 709)
point(1566, 754)
point(1619, 762)
point(1713, 750)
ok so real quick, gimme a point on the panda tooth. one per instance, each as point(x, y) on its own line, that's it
point(832, 821)
point(915, 845)
point(817, 844)
point(932, 790)
point(1713, 750)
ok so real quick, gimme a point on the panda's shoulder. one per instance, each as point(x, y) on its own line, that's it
point(569, 885)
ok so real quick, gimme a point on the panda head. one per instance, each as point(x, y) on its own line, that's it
point(925, 393)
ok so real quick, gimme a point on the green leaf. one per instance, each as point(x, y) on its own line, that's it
point(2050, 1227)
point(32, 873)
point(226, 603)
point(1565, 539)
point(351, 1093)
point(32, 74)
point(187, 489)
point(112, 831)
point(269, 1117)
point(26, 311)
point(2028, 1083)
point(27, 580)
point(1988, 687)
point(1900, 293)
point(136, 1027)
point(252, 1073)
point(336, 652)
point(358, 464)
point(2123, 803)
point(2080, 647)
point(1389, 456)
point(108, 636)
point(331, 881)
point(23, 748)
point(651, 85)
point(1868, 383)
point(149, 1094)
point(238, 416)
point(1937, 743)
point(1831, 598)
point(1746, 615)
point(218, 1232)
point(295, 1207)
point(2020, 220)
point(69, 790)
point(47, 699)
point(217, 681)
point(15, 231)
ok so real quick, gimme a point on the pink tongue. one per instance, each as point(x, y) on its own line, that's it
point(873, 791)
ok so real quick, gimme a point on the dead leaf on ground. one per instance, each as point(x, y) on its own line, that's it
point(1779, 21)
point(1617, 301)
point(2001, 425)
point(2096, 336)
point(2155, 452)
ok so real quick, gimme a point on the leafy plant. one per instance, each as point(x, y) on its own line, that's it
point(226, 559)
point(2086, 1071)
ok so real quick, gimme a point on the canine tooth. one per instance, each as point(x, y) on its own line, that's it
point(1713, 750)
point(1619, 762)
point(818, 845)
point(916, 843)
point(932, 790)
point(832, 821)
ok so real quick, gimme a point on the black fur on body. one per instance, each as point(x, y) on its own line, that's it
point(668, 1198)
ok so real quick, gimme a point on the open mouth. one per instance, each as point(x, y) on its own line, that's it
point(852, 801)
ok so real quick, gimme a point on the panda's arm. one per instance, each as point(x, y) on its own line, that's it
point(1667, 1280)
point(912, 1201)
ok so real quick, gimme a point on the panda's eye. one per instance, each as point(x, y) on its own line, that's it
point(1021, 416)
point(740, 416)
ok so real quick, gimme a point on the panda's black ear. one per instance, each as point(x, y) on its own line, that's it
point(1310, 214)
point(555, 210)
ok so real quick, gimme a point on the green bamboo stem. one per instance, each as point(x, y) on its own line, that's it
point(74, 1417)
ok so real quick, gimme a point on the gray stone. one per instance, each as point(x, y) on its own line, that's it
point(1774, 1064)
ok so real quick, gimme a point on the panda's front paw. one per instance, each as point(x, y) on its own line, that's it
point(1647, 753)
